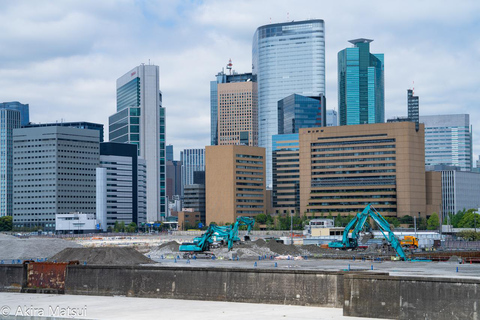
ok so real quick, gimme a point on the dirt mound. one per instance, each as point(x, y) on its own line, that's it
point(32, 248)
point(103, 256)
point(281, 249)
point(259, 243)
point(163, 249)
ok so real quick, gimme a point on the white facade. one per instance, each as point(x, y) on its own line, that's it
point(448, 140)
point(332, 119)
point(76, 222)
point(460, 190)
point(140, 88)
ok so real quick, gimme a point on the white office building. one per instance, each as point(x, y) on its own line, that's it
point(448, 140)
point(140, 120)
point(54, 173)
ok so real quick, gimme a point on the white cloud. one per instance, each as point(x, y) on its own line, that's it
point(63, 57)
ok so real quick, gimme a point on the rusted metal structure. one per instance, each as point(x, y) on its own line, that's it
point(45, 277)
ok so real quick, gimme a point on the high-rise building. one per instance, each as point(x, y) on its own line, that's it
point(235, 182)
point(460, 191)
point(169, 152)
point(79, 125)
point(413, 106)
point(54, 173)
point(448, 140)
point(332, 119)
point(174, 179)
point(297, 111)
point(12, 115)
point(286, 173)
point(194, 198)
point(121, 193)
point(361, 93)
point(140, 120)
point(287, 58)
point(192, 160)
point(22, 108)
point(342, 169)
point(9, 120)
point(234, 108)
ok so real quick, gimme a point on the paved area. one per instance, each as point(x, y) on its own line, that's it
point(395, 268)
point(46, 306)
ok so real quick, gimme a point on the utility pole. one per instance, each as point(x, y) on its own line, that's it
point(291, 226)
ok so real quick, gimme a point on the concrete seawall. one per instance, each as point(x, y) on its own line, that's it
point(295, 287)
point(360, 294)
point(411, 297)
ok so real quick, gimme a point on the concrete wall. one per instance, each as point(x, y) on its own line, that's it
point(411, 297)
point(294, 287)
point(11, 277)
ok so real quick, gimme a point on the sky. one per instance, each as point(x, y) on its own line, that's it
point(63, 57)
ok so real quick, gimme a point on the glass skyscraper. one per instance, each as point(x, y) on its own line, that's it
point(413, 106)
point(361, 93)
point(296, 111)
point(9, 120)
point(192, 160)
point(140, 120)
point(22, 108)
point(287, 58)
point(448, 140)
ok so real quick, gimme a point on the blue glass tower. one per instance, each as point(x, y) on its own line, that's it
point(22, 108)
point(296, 111)
point(9, 119)
point(361, 93)
point(287, 58)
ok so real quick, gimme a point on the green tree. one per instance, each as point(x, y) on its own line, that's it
point(261, 218)
point(6, 223)
point(393, 221)
point(433, 222)
point(469, 235)
point(131, 228)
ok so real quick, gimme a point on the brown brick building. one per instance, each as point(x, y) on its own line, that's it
point(344, 168)
point(235, 182)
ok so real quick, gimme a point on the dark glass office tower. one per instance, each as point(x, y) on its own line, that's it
point(296, 111)
point(413, 106)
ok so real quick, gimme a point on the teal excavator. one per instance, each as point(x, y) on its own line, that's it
point(227, 234)
point(351, 233)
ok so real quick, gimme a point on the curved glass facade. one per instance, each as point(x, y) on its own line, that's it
point(287, 58)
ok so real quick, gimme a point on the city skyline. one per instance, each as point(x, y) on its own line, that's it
point(68, 55)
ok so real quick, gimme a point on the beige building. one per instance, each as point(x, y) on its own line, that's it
point(238, 113)
point(188, 219)
point(342, 169)
point(286, 173)
point(234, 182)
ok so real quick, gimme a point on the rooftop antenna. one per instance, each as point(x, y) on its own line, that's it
point(229, 66)
point(413, 88)
point(288, 16)
point(148, 61)
point(270, 20)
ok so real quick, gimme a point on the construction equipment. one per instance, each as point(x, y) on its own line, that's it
point(227, 234)
point(409, 242)
point(357, 224)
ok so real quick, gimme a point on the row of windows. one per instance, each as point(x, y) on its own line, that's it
point(353, 154)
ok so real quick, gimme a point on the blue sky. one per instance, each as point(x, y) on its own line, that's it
point(63, 57)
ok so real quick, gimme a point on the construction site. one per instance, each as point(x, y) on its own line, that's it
point(356, 275)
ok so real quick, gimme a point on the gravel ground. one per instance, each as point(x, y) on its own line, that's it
point(12, 248)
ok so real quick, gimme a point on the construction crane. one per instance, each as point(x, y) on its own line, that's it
point(356, 225)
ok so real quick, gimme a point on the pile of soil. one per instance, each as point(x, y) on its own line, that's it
point(164, 249)
point(102, 256)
